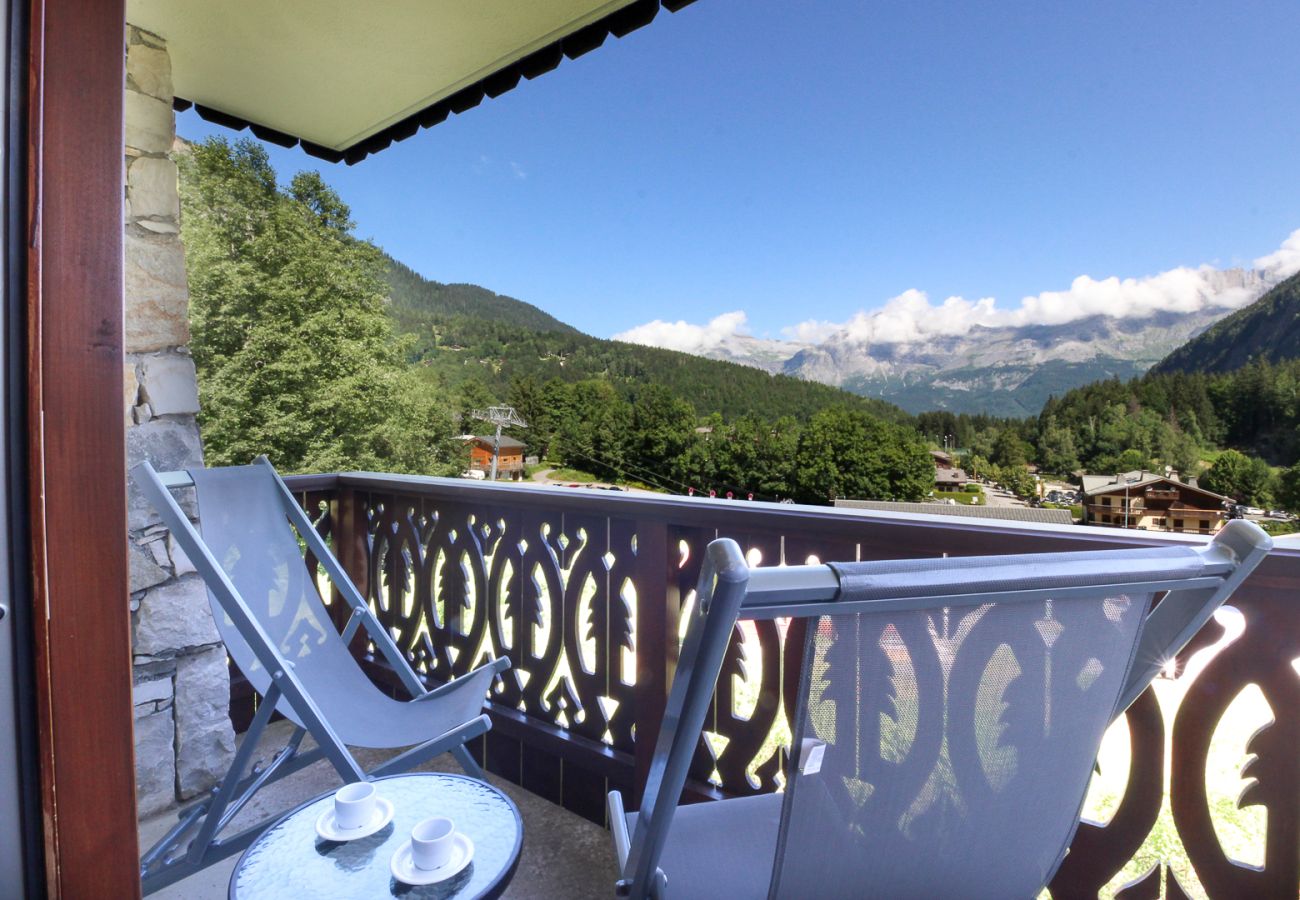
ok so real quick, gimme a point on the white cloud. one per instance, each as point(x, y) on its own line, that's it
point(1285, 261)
point(684, 336)
point(911, 317)
point(518, 170)
point(814, 331)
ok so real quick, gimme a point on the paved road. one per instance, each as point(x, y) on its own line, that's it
point(994, 497)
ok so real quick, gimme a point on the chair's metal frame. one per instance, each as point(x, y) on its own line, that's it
point(193, 843)
point(728, 589)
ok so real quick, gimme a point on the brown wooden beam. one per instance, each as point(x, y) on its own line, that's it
point(77, 446)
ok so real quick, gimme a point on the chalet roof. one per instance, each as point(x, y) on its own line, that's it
point(942, 473)
point(1010, 513)
point(1095, 485)
point(346, 79)
point(507, 442)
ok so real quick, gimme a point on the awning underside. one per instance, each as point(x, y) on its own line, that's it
point(345, 79)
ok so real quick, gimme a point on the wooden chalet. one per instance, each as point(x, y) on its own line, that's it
point(511, 458)
point(1150, 502)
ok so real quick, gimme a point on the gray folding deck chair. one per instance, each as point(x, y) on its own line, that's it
point(948, 719)
point(277, 630)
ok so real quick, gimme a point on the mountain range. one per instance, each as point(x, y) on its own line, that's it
point(1006, 370)
point(1002, 370)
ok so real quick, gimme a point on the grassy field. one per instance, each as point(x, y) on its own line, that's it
point(966, 498)
point(575, 475)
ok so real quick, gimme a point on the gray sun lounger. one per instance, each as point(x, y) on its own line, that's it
point(269, 613)
point(947, 723)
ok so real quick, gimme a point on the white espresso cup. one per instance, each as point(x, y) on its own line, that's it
point(354, 805)
point(431, 842)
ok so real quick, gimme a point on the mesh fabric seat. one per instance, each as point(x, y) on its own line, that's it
point(948, 718)
point(244, 525)
point(717, 844)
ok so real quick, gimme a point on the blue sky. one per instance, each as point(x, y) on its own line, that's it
point(810, 161)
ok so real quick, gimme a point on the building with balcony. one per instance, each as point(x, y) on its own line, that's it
point(1147, 501)
point(510, 455)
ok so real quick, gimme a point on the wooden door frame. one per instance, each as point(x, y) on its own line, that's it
point(76, 446)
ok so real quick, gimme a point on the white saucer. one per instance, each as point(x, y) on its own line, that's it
point(405, 870)
point(327, 828)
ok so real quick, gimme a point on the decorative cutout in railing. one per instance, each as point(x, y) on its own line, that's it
point(583, 593)
point(553, 593)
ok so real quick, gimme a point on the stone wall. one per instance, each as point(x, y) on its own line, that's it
point(183, 736)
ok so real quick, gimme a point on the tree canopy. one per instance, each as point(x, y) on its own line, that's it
point(295, 353)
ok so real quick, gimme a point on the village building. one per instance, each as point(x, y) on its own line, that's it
point(510, 463)
point(1151, 502)
point(949, 479)
point(948, 476)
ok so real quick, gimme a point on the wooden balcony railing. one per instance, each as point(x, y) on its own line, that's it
point(583, 591)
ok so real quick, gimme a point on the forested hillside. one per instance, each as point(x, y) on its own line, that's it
point(418, 301)
point(480, 358)
point(476, 343)
point(1266, 331)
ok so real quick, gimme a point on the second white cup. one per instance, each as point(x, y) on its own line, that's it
point(431, 842)
point(354, 805)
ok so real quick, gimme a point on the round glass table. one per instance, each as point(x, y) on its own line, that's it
point(290, 860)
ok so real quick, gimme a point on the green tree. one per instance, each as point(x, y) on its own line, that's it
point(844, 453)
point(1288, 488)
point(1018, 480)
point(1009, 450)
point(1244, 478)
point(663, 427)
point(295, 355)
point(1056, 448)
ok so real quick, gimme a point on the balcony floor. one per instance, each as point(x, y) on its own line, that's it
point(564, 855)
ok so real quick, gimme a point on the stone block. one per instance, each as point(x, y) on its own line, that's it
point(180, 562)
point(155, 762)
point(168, 384)
point(157, 296)
point(149, 71)
point(145, 572)
point(130, 389)
point(150, 691)
point(169, 444)
point(151, 188)
point(174, 617)
point(150, 126)
point(159, 227)
point(205, 740)
point(157, 547)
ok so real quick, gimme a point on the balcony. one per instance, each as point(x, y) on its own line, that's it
point(583, 593)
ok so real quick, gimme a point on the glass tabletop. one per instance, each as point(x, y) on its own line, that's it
point(291, 860)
